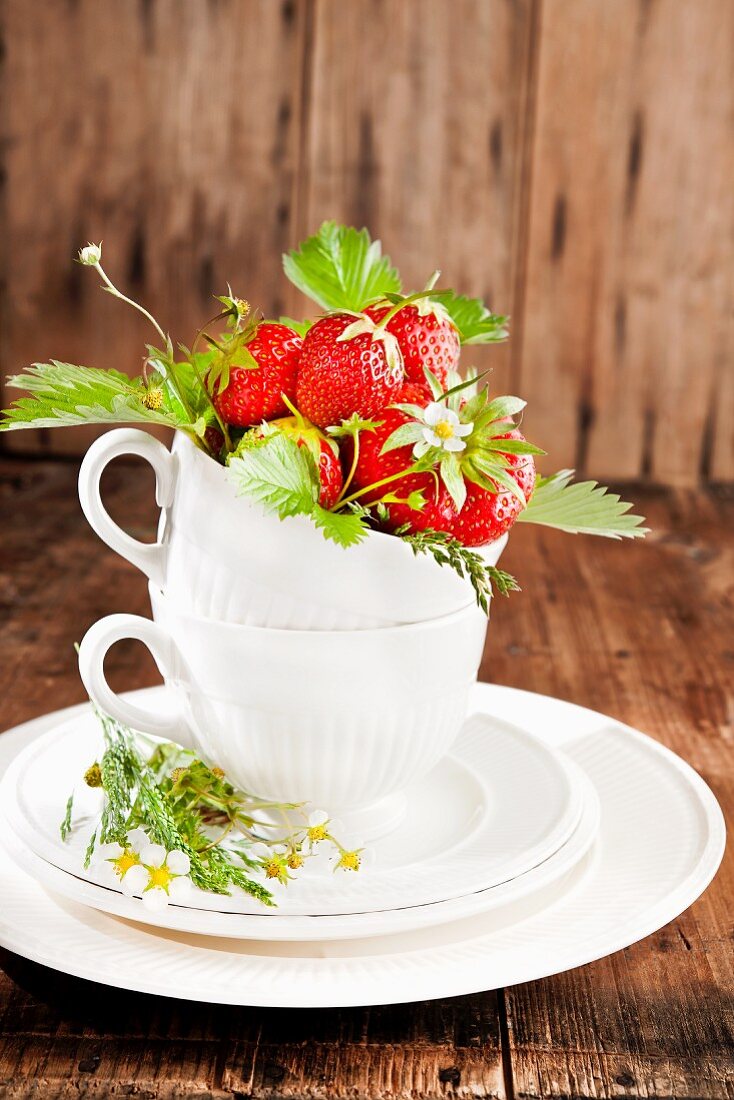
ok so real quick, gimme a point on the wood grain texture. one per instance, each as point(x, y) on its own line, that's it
point(166, 129)
point(569, 161)
point(642, 632)
point(627, 326)
point(416, 119)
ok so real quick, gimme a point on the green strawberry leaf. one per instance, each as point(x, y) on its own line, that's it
point(278, 474)
point(581, 507)
point(341, 268)
point(344, 528)
point(475, 323)
point(65, 395)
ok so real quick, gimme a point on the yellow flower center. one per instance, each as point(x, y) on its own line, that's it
point(272, 869)
point(124, 862)
point(295, 861)
point(160, 876)
point(444, 429)
point(317, 832)
point(350, 861)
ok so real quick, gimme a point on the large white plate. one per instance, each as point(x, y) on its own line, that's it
point(539, 888)
point(661, 841)
point(501, 804)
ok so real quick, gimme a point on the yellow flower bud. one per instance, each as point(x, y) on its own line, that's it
point(93, 775)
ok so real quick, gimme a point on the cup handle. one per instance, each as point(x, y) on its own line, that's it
point(148, 557)
point(95, 644)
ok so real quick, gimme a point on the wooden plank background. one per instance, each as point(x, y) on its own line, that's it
point(571, 160)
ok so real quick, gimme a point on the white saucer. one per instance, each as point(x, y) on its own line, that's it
point(539, 887)
point(661, 841)
point(501, 804)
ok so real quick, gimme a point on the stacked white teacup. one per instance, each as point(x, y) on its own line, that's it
point(309, 672)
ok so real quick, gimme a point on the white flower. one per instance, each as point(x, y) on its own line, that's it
point(167, 876)
point(355, 859)
point(441, 428)
point(319, 826)
point(121, 865)
point(91, 255)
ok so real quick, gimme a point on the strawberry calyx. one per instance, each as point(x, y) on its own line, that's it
point(425, 305)
point(363, 324)
point(464, 439)
point(303, 431)
point(231, 351)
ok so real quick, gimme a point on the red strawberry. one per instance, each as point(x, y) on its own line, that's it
point(426, 337)
point(373, 466)
point(484, 516)
point(253, 394)
point(325, 454)
point(343, 370)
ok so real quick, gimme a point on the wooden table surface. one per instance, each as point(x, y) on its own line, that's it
point(642, 632)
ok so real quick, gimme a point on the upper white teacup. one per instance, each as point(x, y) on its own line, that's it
point(223, 557)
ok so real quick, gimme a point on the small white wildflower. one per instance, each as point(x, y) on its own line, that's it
point(91, 255)
point(441, 428)
point(319, 826)
point(120, 864)
point(166, 876)
point(354, 859)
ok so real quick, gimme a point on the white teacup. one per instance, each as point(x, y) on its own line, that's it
point(221, 556)
point(342, 719)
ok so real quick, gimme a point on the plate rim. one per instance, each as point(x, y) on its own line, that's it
point(675, 902)
point(562, 829)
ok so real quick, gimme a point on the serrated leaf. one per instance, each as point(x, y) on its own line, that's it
point(66, 395)
point(278, 474)
point(341, 268)
point(582, 507)
point(344, 528)
point(476, 324)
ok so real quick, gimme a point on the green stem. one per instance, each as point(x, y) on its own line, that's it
point(352, 469)
point(210, 399)
point(376, 485)
point(136, 305)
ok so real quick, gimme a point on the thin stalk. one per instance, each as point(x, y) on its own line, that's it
point(352, 469)
point(210, 399)
point(376, 485)
point(136, 305)
point(170, 365)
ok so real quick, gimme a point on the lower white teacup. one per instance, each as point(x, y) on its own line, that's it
point(344, 720)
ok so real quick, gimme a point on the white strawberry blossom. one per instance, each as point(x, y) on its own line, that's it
point(144, 869)
point(90, 255)
point(442, 429)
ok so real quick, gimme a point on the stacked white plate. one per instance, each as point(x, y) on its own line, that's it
point(549, 837)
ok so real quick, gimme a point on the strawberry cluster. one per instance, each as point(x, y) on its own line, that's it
point(393, 431)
